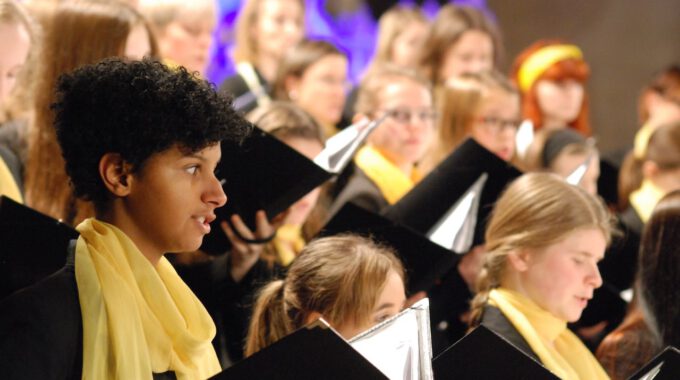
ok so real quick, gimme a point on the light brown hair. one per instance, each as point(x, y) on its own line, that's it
point(298, 60)
point(78, 33)
point(340, 277)
point(448, 27)
point(245, 49)
point(663, 149)
point(458, 106)
point(536, 211)
point(391, 24)
point(16, 106)
point(285, 120)
point(371, 87)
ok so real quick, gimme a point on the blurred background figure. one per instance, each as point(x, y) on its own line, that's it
point(183, 30)
point(461, 40)
point(401, 34)
point(313, 75)
point(562, 151)
point(551, 77)
point(18, 43)
point(385, 167)
point(265, 31)
point(654, 319)
point(484, 106)
point(91, 30)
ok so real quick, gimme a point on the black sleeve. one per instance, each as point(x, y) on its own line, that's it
point(41, 330)
point(228, 302)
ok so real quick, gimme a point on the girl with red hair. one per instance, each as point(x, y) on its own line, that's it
point(551, 77)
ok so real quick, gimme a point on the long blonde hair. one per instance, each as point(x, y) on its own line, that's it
point(536, 211)
point(372, 86)
point(16, 106)
point(391, 24)
point(458, 104)
point(78, 33)
point(448, 27)
point(245, 49)
point(340, 277)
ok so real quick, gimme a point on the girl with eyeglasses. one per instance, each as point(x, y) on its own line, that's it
point(386, 166)
point(484, 106)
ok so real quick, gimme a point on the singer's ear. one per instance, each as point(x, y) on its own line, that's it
point(116, 174)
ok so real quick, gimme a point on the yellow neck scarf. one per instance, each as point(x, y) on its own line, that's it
point(288, 243)
point(7, 185)
point(645, 199)
point(391, 181)
point(559, 349)
point(137, 318)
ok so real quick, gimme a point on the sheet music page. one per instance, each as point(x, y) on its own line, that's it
point(400, 347)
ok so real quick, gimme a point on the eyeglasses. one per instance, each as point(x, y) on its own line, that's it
point(498, 125)
point(405, 115)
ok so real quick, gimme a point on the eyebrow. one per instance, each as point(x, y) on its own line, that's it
point(384, 306)
point(589, 254)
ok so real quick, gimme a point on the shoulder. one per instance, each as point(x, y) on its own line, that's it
point(41, 329)
point(625, 350)
point(494, 320)
point(234, 85)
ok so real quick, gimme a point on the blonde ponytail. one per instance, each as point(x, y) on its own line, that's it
point(269, 321)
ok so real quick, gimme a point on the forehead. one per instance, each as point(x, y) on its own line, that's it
point(400, 90)
point(329, 64)
point(270, 8)
point(584, 241)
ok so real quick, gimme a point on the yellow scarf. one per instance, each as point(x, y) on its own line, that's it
point(645, 199)
point(137, 319)
point(288, 243)
point(391, 181)
point(7, 185)
point(559, 349)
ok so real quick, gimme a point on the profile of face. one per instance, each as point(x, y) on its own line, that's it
point(279, 26)
point(471, 53)
point(560, 102)
point(171, 201)
point(299, 211)
point(186, 41)
point(321, 90)
point(496, 123)
point(407, 44)
point(390, 302)
point(562, 277)
point(565, 164)
point(137, 45)
point(665, 179)
point(406, 132)
point(14, 45)
point(661, 109)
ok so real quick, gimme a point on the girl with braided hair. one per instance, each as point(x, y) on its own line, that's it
point(543, 244)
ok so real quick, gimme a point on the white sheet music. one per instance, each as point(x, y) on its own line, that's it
point(400, 347)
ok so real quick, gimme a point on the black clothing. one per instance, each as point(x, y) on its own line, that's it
point(41, 329)
point(494, 320)
point(361, 191)
point(244, 99)
point(229, 303)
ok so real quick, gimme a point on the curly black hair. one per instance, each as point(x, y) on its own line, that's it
point(136, 109)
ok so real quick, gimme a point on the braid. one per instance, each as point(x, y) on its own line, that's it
point(488, 279)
